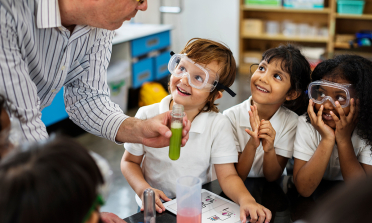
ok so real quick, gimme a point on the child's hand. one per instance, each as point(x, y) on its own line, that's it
point(317, 121)
point(256, 212)
point(267, 134)
point(345, 124)
point(255, 123)
point(158, 204)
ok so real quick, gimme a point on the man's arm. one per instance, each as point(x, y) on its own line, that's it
point(15, 82)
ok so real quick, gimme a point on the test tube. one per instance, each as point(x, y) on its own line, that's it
point(176, 128)
point(149, 203)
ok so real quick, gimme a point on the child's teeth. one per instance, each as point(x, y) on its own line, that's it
point(261, 89)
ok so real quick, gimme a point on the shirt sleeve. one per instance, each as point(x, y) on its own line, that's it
point(365, 156)
point(87, 98)
point(223, 145)
point(15, 82)
point(305, 142)
point(137, 149)
point(285, 143)
point(231, 116)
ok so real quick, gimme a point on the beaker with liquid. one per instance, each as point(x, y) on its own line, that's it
point(188, 199)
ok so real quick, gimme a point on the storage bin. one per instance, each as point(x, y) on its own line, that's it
point(277, 3)
point(143, 71)
point(252, 27)
point(118, 79)
point(161, 65)
point(350, 7)
point(146, 44)
point(305, 4)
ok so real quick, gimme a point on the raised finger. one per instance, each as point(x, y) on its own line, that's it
point(250, 133)
point(335, 118)
point(320, 113)
point(350, 116)
point(257, 117)
point(310, 110)
point(340, 111)
point(252, 120)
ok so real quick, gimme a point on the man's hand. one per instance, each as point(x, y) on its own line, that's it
point(111, 218)
point(153, 132)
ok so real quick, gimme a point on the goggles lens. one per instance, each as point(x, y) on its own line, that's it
point(198, 76)
point(320, 91)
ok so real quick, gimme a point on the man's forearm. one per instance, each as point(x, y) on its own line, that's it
point(130, 131)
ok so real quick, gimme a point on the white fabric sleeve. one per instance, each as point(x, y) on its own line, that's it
point(137, 149)
point(223, 145)
point(285, 141)
point(305, 140)
point(234, 125)
point(365, 156)
point(87, 98)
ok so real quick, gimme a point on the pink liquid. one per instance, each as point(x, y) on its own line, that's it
point(189, 216)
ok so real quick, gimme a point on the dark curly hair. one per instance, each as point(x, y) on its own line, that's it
point(296, 65)
point(358, 71)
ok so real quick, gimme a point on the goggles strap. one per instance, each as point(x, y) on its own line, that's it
point(171, 53)
point(227, 89)
point(98, 201)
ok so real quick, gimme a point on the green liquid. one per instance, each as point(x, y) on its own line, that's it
point(175, 141)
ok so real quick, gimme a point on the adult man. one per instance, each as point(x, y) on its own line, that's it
point(47, 44)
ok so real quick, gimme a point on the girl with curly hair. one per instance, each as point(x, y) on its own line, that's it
point(333, 140)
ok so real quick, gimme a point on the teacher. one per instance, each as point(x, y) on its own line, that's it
point(48, 44)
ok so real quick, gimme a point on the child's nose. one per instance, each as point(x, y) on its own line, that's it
point(184, 80)
point(328, 105)
point(263, 78)
point(143, 6)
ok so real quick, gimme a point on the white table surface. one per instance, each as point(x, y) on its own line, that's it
point(128, 32)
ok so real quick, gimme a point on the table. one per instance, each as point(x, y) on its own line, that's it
point(281, 197)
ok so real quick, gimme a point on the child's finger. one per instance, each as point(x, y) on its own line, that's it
point(163, 196)
point(159, 205)
point(263, 131)
point(261, 216)
point(320, 113)
point(142, 208)
point(350, 116)
point(243, 217)
point(268, 215)
point(335, 118)
point(266, 137)
point(310, 111)
point(250, 133)
point(340, 111)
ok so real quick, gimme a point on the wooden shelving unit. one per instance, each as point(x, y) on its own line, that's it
point(328, 17)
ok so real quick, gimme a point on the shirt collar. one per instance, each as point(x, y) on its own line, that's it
point(275, 120)
point(48, 14)
point(199, 123)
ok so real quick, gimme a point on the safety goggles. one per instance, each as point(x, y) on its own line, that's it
point(198, 77)
point(322, 90)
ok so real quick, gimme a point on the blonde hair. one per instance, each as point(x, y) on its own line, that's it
point(205, 51)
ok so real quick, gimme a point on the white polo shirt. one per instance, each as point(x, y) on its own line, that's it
point(284, 122)
point(308, 139)
point(211, 141)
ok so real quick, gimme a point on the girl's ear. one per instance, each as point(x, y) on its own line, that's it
point(218, 96)
point(292, 95)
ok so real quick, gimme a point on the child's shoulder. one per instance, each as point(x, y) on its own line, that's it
point(289, 114)
point(236, 109)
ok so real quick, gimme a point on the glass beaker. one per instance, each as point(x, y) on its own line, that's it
point(189, 199)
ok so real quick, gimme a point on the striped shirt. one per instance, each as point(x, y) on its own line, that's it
point(38, 56)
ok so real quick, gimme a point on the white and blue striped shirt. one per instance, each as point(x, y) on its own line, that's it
point(38, 56)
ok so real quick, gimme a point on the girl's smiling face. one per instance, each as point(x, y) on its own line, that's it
point(184, 94)
point(270, 84)
point(328, 106)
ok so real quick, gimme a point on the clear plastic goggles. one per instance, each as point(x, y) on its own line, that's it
point(198, 76)
point(320, 91)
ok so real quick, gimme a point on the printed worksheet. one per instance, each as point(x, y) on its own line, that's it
point(214, 208)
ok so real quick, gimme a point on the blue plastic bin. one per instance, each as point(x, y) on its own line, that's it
point(350, 7)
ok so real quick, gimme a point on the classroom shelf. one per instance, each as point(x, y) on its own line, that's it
point(287, 38)
point(285, 10)
point(357, 17)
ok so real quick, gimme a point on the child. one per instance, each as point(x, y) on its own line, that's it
point(279, 82)
point(334, 138)
point(199, 75)
point(55, 181)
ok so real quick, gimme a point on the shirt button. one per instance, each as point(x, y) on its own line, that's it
point(54, 90)
point(63, 67)
point(61, 28)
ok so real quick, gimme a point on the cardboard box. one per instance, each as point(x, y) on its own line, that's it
point(252, 27)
